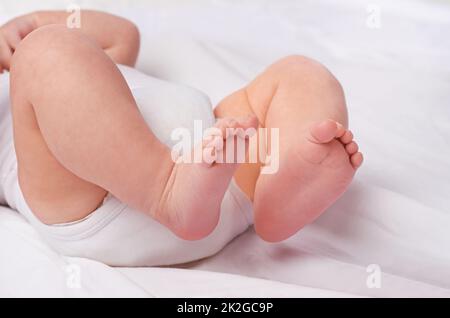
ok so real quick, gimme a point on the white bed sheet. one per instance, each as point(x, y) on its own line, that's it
point(397, 212)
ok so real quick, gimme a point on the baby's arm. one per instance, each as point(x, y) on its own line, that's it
point(118, 37)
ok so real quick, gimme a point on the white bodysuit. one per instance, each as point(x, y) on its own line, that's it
point(116, 234)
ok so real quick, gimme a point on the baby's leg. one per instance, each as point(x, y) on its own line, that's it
point(317, 155)
point(79, 134)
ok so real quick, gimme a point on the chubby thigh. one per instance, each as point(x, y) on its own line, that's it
point(79, 133)
point(79, 122)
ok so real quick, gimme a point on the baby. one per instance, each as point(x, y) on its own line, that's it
point(92, 164)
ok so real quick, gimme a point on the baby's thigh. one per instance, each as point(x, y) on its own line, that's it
point(43, 179)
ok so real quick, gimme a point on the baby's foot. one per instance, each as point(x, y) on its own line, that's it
point(190, 204)
point(313, 173)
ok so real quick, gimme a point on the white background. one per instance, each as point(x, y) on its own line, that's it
point(397, 212)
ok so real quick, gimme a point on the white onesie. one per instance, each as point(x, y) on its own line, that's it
point(116, 234)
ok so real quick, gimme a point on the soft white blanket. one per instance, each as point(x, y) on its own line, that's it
point(393, 61)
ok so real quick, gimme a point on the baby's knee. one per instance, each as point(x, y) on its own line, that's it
point(49, 46)
point(296, 68)
point(299, 63)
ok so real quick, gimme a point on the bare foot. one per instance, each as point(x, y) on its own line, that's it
point(190, 204)
point(311, 177)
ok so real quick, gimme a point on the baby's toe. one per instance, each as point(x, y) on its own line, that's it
point(356, 159)
point(347, 137)
point(324, 131)
point(341, 130)
point(351, 148)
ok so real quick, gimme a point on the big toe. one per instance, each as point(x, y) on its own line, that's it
point(325, 131)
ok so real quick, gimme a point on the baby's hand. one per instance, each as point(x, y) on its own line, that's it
point(11, 34)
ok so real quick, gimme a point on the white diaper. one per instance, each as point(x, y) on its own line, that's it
point(116, 234)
